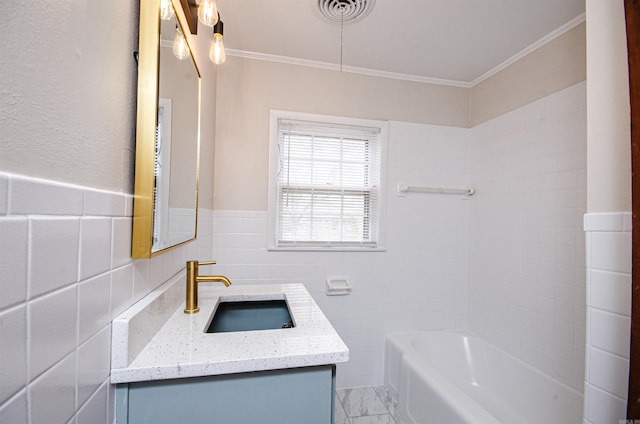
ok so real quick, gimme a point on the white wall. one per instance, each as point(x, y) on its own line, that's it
point(607, 225)
point(249, 88)
point(68, 91)
point(418, 283)
point(609, 129)
point(556, 65)
point(526, 266)
point(67, 113)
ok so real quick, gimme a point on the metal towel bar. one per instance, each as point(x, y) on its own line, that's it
point(404, 188)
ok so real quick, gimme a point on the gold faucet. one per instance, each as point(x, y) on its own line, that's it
point(192, 284)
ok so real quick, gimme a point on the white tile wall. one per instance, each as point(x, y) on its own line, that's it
point(527, 285)
point(4, 193)
point(52, 396)
point(65, 271)
point(608, 239)
point(53, 253)
point(95, 410)
point(52, 324)
point(64, 254)
point(93, 364)
point(95, 242)
point(13, 260)
point(16, 410)
point(13, 367)
point(418, 283)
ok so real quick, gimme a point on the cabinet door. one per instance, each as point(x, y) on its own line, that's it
point(296, 396)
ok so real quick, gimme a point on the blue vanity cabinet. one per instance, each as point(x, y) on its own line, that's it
point(289, 396)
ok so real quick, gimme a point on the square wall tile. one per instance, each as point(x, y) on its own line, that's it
point(155, 270)
point(95, 410)
point(103, 203)
point(610, 291)
point(93, 364)
point(602, 407)
point(612, 222)
point(53, 395)
point(95, 246)
point(141, 279)
point(609, 332)
point(15, 411)
point(40, 197)
point(13, 351)
point(608, 372)
point(4, 193)
point(52, 328)
point(610, 251)
point(94, 305)
point(226, 224)
point(121, 242)
point(121, 289)
point(53, 253)
point(128, 205)
point(13, 260)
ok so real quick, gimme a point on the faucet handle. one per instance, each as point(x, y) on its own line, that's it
point(198, 263)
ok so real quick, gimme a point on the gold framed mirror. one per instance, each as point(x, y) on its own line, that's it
point(165, 204)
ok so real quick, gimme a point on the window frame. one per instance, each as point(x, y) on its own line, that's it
point(272, 242)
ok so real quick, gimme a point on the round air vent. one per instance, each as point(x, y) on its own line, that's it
point(345, 10)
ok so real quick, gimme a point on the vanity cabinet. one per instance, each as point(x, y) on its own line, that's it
point(288, 396)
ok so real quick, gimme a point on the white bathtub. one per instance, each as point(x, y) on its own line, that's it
point(453, 377)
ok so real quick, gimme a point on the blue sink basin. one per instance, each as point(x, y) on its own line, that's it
point(250, 315)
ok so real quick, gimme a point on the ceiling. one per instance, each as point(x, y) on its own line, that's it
point(457, 42)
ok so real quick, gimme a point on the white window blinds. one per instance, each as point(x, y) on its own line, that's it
point(328, 185)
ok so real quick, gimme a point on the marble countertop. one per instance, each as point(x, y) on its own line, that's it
point(152, 341)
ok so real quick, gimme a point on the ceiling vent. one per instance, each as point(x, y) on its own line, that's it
point(345, 11)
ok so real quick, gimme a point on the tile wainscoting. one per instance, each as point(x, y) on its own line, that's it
point(65, 272)
point(608, 240)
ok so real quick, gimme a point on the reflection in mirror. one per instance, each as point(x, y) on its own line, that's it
point(176, 161)
point(167, 134)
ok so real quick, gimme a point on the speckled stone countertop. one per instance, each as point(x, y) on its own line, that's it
point(149, 342)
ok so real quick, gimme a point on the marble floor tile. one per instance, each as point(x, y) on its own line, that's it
point(361, 401)
point(341, 416)
point(373, 419)
point(387, 399)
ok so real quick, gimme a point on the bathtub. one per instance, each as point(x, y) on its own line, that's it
point(454, 377)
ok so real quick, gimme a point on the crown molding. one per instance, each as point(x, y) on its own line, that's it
point(541, 42)
point(408, 77)
point(350, 69)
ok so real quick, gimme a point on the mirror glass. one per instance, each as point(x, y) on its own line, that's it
point(176, 156)
point(167, 138)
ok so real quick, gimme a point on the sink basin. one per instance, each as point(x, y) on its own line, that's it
point(250, 315)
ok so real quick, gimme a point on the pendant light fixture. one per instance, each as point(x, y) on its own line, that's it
point(166, 10)
point(216, 51)
point(208, 12)
point(180, 46)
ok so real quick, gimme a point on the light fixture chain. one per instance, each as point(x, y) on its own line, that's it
point(341, 35)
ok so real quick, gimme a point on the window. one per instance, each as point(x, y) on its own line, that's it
point(326, 190)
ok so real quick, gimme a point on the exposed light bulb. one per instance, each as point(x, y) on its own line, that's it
point(208, 12)
point(180, 46)
point(166, 10)
point(216, 52)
